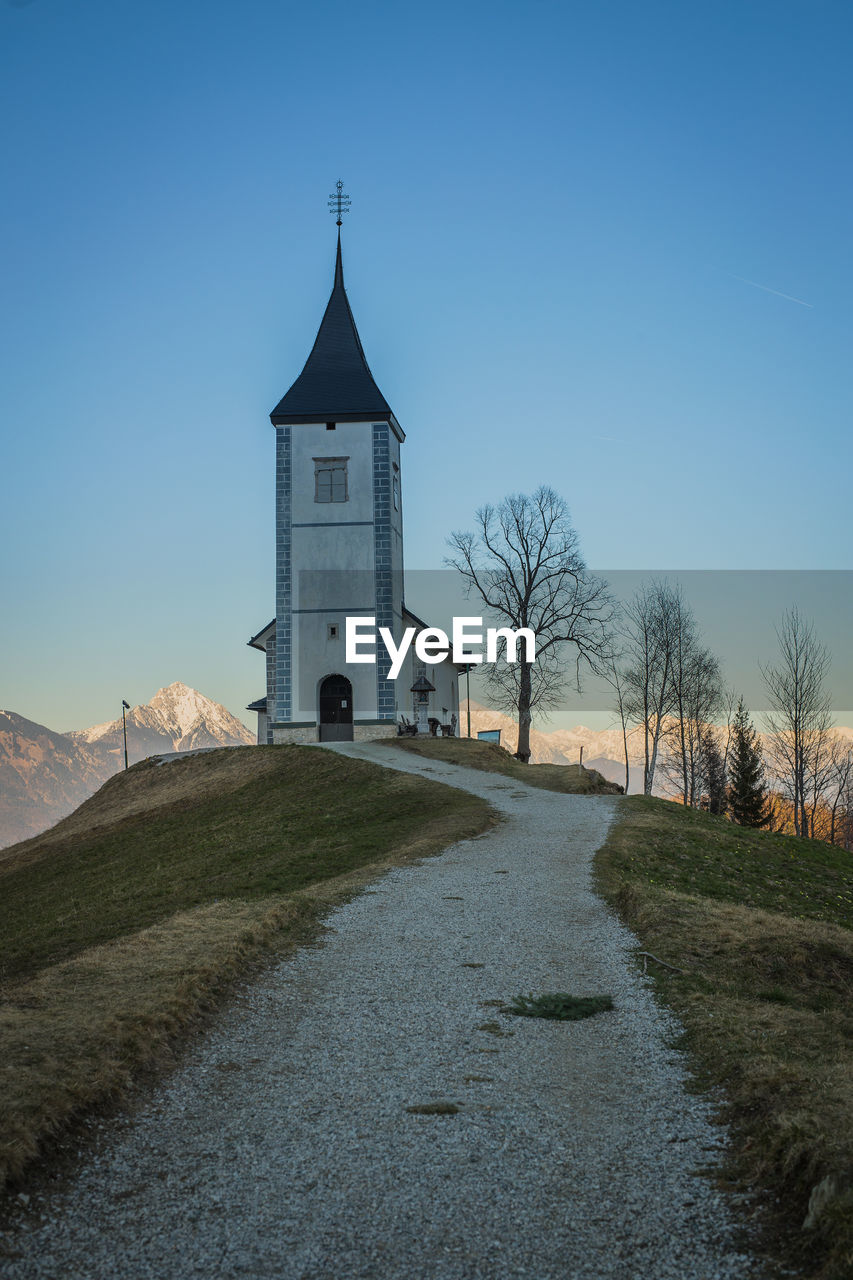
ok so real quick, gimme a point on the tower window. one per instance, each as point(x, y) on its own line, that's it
point(395, 487)
point(330, 479)
point(332, 631)
point(330, 426)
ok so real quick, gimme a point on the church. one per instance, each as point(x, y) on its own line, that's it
point(339, 554)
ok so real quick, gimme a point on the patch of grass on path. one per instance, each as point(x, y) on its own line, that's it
point(491, 758)
point(559, 1005)
point(760, 924)
point(122, 925)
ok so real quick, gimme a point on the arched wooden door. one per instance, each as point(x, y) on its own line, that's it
point(336, 709)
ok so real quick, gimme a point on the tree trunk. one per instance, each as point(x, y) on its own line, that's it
point(653, 762)
point(646, 733)
point(683, 745)
point(522, 751)
point(660, 705)
point(620, 702)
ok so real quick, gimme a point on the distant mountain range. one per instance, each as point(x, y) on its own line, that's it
point(45, 775)
point(602, 748)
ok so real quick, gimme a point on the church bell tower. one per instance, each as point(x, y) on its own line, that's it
point(339, 540)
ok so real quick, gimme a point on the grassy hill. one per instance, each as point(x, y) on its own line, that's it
point(121, 923)
point(492, 758)
point(759, 925)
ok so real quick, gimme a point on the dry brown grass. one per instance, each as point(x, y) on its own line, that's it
point(492, 758)
point(81, 1021)
point(80, 1031)
point(765, 1002)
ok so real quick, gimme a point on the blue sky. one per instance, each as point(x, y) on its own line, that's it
point(557, 209)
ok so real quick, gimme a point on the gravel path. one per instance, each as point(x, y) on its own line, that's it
point(283, 1146)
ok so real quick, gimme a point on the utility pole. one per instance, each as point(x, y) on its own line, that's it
point(125, 706)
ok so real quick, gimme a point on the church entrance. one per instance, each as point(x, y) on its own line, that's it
point(336, 709)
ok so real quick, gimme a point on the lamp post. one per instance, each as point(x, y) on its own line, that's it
point(125, 706)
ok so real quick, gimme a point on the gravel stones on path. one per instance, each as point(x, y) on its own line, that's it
point(286, 1145)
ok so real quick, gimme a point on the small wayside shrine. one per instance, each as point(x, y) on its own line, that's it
point(339, 552)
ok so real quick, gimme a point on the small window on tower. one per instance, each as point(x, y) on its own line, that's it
point(395, 487)
point(330, 479)
point(330, 426)
point(333, 631)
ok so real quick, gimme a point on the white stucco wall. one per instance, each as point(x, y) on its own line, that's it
point(334, 562)
point(353, 440)
point(333, 555)
point(316, 656)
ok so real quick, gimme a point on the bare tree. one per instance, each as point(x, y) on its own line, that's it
point(800, 717)
point(839, 784)
point(617, 682)
point(677, 735)
point(728, 710)
point(667, 683)
point(652, 623)
point(821, 756)
point(548, 682)
point(697, 700)
point(842, 804)
point(524, 562)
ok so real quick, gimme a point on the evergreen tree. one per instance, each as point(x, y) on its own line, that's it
point(747, 790)
point(713, 775)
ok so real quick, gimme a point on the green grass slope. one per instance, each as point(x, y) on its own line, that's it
point(119, 925)
point(759, 924)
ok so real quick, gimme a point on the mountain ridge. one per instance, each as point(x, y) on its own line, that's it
point(44, 774)
point(603, 748)
point(557, 746)
point(178, 716)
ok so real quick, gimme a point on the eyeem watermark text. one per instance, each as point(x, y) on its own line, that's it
point(433, 645)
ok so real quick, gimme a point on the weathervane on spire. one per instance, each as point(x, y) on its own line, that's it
point(339, 203)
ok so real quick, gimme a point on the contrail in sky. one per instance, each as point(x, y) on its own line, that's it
point(767, 289)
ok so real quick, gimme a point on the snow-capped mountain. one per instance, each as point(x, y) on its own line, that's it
point(176, 719)
point(44, 775)
point(561, 746)
point(603, 748)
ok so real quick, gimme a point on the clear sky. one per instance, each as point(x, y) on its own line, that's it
point(604, 246)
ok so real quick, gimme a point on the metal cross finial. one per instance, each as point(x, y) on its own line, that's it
point(339, 203)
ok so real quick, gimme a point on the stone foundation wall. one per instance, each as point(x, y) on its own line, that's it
point(281, 734)
point(310, 733)
point(364, 732)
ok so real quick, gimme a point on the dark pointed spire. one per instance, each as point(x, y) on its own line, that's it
point(339, 265)
point(336, 384)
